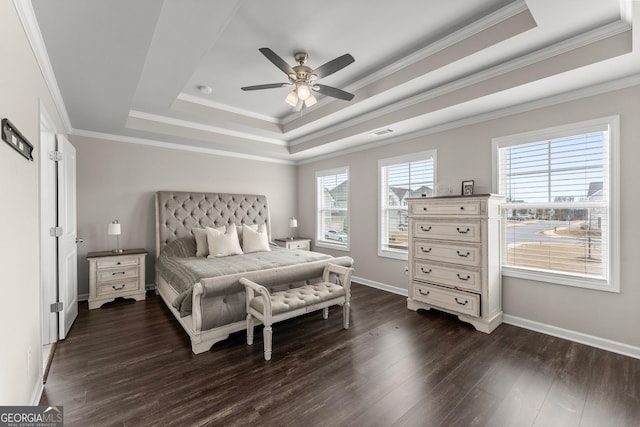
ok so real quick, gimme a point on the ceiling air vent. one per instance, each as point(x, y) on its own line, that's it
point(381, 132)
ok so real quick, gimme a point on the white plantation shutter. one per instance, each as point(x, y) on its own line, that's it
point(400, 178)
point(558, 205)
point(332, 192)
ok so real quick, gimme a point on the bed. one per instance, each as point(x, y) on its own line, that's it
point(204, 294)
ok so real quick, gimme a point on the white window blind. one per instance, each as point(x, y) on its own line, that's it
point(333, 208)
point(558, 205)
point(401, 178)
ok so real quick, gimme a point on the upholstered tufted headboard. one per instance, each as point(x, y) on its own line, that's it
point(177, 212)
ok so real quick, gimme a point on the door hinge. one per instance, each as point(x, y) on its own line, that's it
point(56, 307)
point(55, 231)
point(56, 156)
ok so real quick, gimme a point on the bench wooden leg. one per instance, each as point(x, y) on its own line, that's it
point(345, 315)
point(325, 313)
point(249, 329)
point(267, 334)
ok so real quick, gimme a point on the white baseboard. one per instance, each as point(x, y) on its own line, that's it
point(36, 395)
point(579, 337)
point(383, 286)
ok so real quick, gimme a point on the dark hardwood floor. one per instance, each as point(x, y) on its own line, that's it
point(130, 364)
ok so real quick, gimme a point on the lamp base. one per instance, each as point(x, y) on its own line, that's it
point(117, 251)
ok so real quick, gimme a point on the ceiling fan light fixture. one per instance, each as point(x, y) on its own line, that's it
point(303, 91)
point(311, 100)
point(292, 98)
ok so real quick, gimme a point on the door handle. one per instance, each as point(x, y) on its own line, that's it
point(79, 240)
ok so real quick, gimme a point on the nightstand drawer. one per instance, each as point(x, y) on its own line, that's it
point(298, 245)
point(111, 274)
point(121, 261)
point(120, 287)
point(449, 299)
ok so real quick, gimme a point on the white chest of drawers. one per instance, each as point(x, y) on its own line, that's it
point(454, 258)
point(113, 275)
point(294, 243)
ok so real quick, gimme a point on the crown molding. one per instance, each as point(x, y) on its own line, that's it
point(443, 43)
point(175, 146)
point(599, 89)
point(223, 107)
point(565, 46)
point(202, 127)
point(32, 30)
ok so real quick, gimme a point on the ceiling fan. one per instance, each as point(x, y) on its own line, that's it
point(304, 78)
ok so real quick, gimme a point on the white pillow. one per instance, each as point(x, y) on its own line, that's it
point(255, 238)
point(223, 243)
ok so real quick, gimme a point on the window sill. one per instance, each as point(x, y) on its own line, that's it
point(559, 279)
point(331, 245)
point(401, 255)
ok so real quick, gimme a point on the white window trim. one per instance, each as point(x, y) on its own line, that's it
point(406, 158)
point(613, 122)
point(325, 243)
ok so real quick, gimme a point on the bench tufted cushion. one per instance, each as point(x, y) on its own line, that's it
point(305, 296)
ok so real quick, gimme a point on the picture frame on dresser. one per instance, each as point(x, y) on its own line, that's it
point(467, 188)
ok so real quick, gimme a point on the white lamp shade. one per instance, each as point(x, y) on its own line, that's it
point(292, 99)
point(293, 222)
point(114, 229)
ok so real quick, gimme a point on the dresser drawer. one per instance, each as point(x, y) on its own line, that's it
point(120, 287)
point(111, 274)
point(458, 207)
point(463, 231)
point(449, 299)
point(120, 261)
point(463, 254)
point(459, 277)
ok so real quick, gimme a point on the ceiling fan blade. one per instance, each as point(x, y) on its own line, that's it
point(333, 92)
point(334, 65)
point(276, 60)
point(267, 86)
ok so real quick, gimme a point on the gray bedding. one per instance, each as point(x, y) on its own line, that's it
point(179, 266)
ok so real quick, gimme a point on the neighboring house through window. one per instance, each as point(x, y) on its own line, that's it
point(401, 178)
point(332, 200)
point(561, 211)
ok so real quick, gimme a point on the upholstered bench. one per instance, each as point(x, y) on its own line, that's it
point(270, 308)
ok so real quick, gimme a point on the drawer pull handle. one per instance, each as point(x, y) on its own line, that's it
point(424, 209)
point(463, 278)
point(425, 271)
point(118, 272)
point(118, 263)
point(423, 292)
point(426, 251)
point(119, 287)
point(461, 208)
point(425, 229)
point(465, 302)
point(463, 255)
point(463, 232)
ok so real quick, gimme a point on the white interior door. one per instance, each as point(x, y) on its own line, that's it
point(67, 245)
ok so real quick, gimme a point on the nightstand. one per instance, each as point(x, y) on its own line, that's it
point(113, 275)
point(295, 243)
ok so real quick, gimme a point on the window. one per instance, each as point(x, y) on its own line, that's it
point(401, 178)
point(561, 215)
point(332, 195)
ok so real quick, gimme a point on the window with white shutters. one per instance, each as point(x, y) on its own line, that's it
point(560, 215)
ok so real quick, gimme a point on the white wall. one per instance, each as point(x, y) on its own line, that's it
point(21, 88)
point(465, 153)
point(118, 180)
